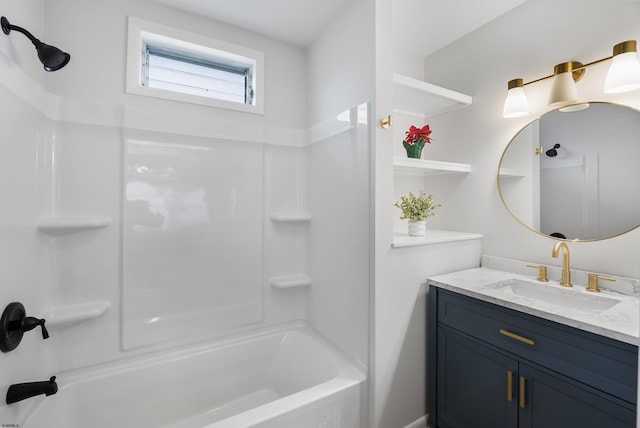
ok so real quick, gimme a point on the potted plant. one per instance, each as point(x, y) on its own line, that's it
point(415, 140)
point(416, 209)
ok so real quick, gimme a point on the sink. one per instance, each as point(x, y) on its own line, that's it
point(551, 295)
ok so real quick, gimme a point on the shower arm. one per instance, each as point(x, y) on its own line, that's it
point(7, 27)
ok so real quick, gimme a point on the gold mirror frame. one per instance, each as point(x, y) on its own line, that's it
point(504, 203)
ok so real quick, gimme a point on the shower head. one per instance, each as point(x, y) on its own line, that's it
point(552, 153)
point(51, 57)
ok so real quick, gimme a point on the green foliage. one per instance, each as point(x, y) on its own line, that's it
point(416, 208)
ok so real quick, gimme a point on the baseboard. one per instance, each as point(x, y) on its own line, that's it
point(420, 423)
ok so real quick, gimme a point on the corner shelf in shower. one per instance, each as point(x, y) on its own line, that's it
point(290, 281)
point(408, 166)
point(291, 217)
point(73, 314)
point(64, 224)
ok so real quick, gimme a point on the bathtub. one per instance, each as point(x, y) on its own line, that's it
point(282, 377)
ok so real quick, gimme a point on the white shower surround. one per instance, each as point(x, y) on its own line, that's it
point(79, 149)
point(192, 237)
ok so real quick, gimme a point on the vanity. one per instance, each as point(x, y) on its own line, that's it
point(507, 350)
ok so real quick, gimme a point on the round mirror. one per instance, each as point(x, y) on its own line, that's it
point(575, 175)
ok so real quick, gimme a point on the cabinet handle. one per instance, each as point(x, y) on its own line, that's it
point(509, 385)
point(521, 392)
point(517, 337)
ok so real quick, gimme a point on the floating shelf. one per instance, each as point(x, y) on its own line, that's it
point(409, 166)
point(290, 281)
point(72, 224)
point(415, 95)
point(432, 237)
point(73, 314)
point(291, 217)
point(511, 172)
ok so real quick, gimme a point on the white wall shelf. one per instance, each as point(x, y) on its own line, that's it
point(432, 237)
point(511, 172)
point(71, 224)
point(290, 281)
point(418, 99)
point(74, 314)
point(291, 217)
point(415, 95)
point(409, 166)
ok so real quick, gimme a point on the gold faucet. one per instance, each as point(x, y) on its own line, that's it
point(566, 271)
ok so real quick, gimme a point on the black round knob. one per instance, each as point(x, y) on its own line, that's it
point(14, 323)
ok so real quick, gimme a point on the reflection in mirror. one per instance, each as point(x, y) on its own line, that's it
point(575, 175)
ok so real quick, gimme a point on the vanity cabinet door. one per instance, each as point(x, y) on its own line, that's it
point(476, 386)
point(553, 402)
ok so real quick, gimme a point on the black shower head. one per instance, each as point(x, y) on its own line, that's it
point(51, 57)
point(552, 153)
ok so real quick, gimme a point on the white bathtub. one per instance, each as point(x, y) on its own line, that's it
point(277, 378)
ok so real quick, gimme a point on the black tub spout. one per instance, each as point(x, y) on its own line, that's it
point(21, 391)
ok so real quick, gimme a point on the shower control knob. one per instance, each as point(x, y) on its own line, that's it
point(14, 323)
point(27, 324)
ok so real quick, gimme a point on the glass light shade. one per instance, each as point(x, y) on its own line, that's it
point(624, 73)
point(563, 90)
point(515, 105)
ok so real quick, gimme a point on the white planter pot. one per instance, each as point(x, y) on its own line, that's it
point(417, 228)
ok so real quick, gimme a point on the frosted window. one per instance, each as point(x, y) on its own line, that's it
point(180, 72)
point(178, 65)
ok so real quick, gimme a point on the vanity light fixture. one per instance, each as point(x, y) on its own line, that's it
point(564, 90)
point(51, 57)
point(623, 76)
point(624, 73)
point(516, 104)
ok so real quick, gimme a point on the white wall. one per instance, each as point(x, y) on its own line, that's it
point(340, 63)
point(480, 64)
point(399, 310)
point(97, 45)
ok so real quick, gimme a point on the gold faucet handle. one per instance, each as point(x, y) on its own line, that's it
point(542, 272)
point(593, 282)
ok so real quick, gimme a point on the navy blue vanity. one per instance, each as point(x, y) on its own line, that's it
point(490, 366)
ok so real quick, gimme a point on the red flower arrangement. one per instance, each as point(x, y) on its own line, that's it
point(415, 140)
point(414, 135)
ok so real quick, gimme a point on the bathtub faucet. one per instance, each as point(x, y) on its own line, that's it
point(21, 391)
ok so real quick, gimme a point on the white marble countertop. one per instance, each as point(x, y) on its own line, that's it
point(621, 321)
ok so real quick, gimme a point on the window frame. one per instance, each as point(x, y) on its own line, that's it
point(142, 33)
